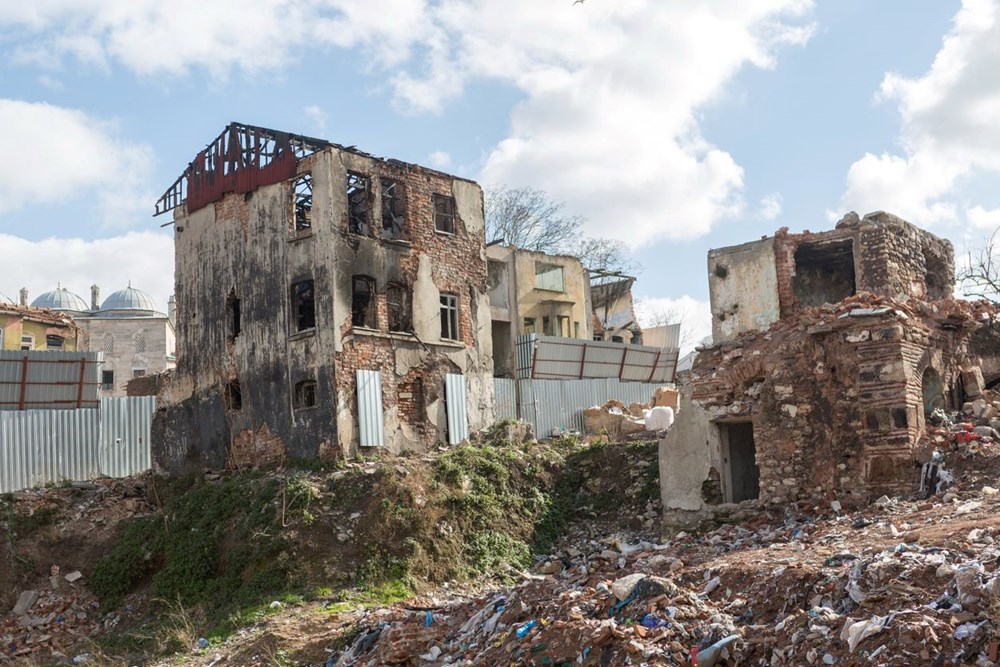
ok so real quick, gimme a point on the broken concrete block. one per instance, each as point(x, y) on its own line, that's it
point(74, 576)
point(972, 379)
point(666, 397)
point(25, 601)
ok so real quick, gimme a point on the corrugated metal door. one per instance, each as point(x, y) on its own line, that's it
point(371, 420)
point(458, 419)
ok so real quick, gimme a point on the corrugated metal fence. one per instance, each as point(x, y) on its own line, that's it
point(551, 406)
point(39, 447)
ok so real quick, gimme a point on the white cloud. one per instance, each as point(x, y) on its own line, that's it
point(145, 258)
point(317, 117)
point(694, 316)
point(770, 206)
point(949, 129)
point(440, 159)
point(63, 153)
point(611, 90)
point(983, 219)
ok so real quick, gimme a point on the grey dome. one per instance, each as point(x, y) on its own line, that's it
point(130, 299)
point(61, 299)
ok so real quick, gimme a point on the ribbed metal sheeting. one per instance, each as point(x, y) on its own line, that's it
point(458, 416)
point(371, 420)
point(39, 447)
point(125, 427)
point(505, 395)
point(552, 406)
point(555, 358)
point(52, 381)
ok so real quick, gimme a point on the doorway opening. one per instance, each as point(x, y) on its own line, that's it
point(739, 457)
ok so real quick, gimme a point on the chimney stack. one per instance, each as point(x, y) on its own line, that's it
point(24, 296)
point(172, 310)
point(95, 297)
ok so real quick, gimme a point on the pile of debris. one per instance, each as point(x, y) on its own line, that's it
point(52, 620)
point(614, 419)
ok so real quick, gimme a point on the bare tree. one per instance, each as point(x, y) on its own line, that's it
point(980, 277)
point(653, 316)
point(529, 219)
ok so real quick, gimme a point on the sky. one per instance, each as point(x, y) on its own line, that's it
point(672, 126)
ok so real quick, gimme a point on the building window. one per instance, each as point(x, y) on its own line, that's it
point(617, 339)
point(444, 214)
point(139, 342)
point(233, 396)
point(363, 313)
point(107, 380)
point(233, 315)
point(27, 342)
point(563, 325)
point(303, 203)
point(109, 343)
point(138, 372)
point(397, 298)
point(303, 305)
point(393, 209)
point(576, 329)
point(54, 342)
point(529, 325)
point(549, 277)
point(449, 317)
point(547, 325)
point(305, 394)
point(358, 192)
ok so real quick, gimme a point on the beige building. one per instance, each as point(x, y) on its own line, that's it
point(614, 311)
point(135, 336)
point(532, 292)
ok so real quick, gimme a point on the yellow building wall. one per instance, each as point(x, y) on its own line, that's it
point(530, 299)
point(14, 327)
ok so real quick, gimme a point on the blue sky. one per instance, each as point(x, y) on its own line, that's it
point(673, 126)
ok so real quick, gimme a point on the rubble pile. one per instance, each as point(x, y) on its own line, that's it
point(52, 620)
point(616, 420)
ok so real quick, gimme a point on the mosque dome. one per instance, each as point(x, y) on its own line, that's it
point(130, 298)
point(62, 300)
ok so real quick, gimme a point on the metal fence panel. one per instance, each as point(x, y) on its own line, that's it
point(39, 447)
point(555, 358)
point(553, 406)
point(125, 428)
point(43, 379)
point(505, 395)
point(458, 415)
point(371, 420)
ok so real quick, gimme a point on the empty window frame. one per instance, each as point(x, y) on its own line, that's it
point(305, 394)
point(529, 325)
point(449, 317)
point(444, 214)
point(563, 325)
point(363, 312)
point(303, 195)
point(393, 209)
point(303, 305)
point(233, 395)
point(27, 342)
point(358, 196)
point(54, 342)
point(547, 325)
point(549, 277)
point(107, 380)
point(233, 315)
point(397, 298)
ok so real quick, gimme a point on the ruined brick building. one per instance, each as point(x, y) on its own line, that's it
point(325, 299)
point(830, 350)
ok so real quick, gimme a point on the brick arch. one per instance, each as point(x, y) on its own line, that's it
point(744, 371)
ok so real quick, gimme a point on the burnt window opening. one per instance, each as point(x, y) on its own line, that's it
point(233, 395)
point(449, 317)
point(305, 394)
point(824, 272)
point(932, 389)
point(358, 193)
point(54, 342)
point(393, 209)
point(397, 298)
point(233, 315)
point(303, 203)
point(444, 214)
point(363, 302)
point(304, 305)
point(107, 380)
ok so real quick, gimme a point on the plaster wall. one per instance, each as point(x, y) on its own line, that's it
point(743, 288)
